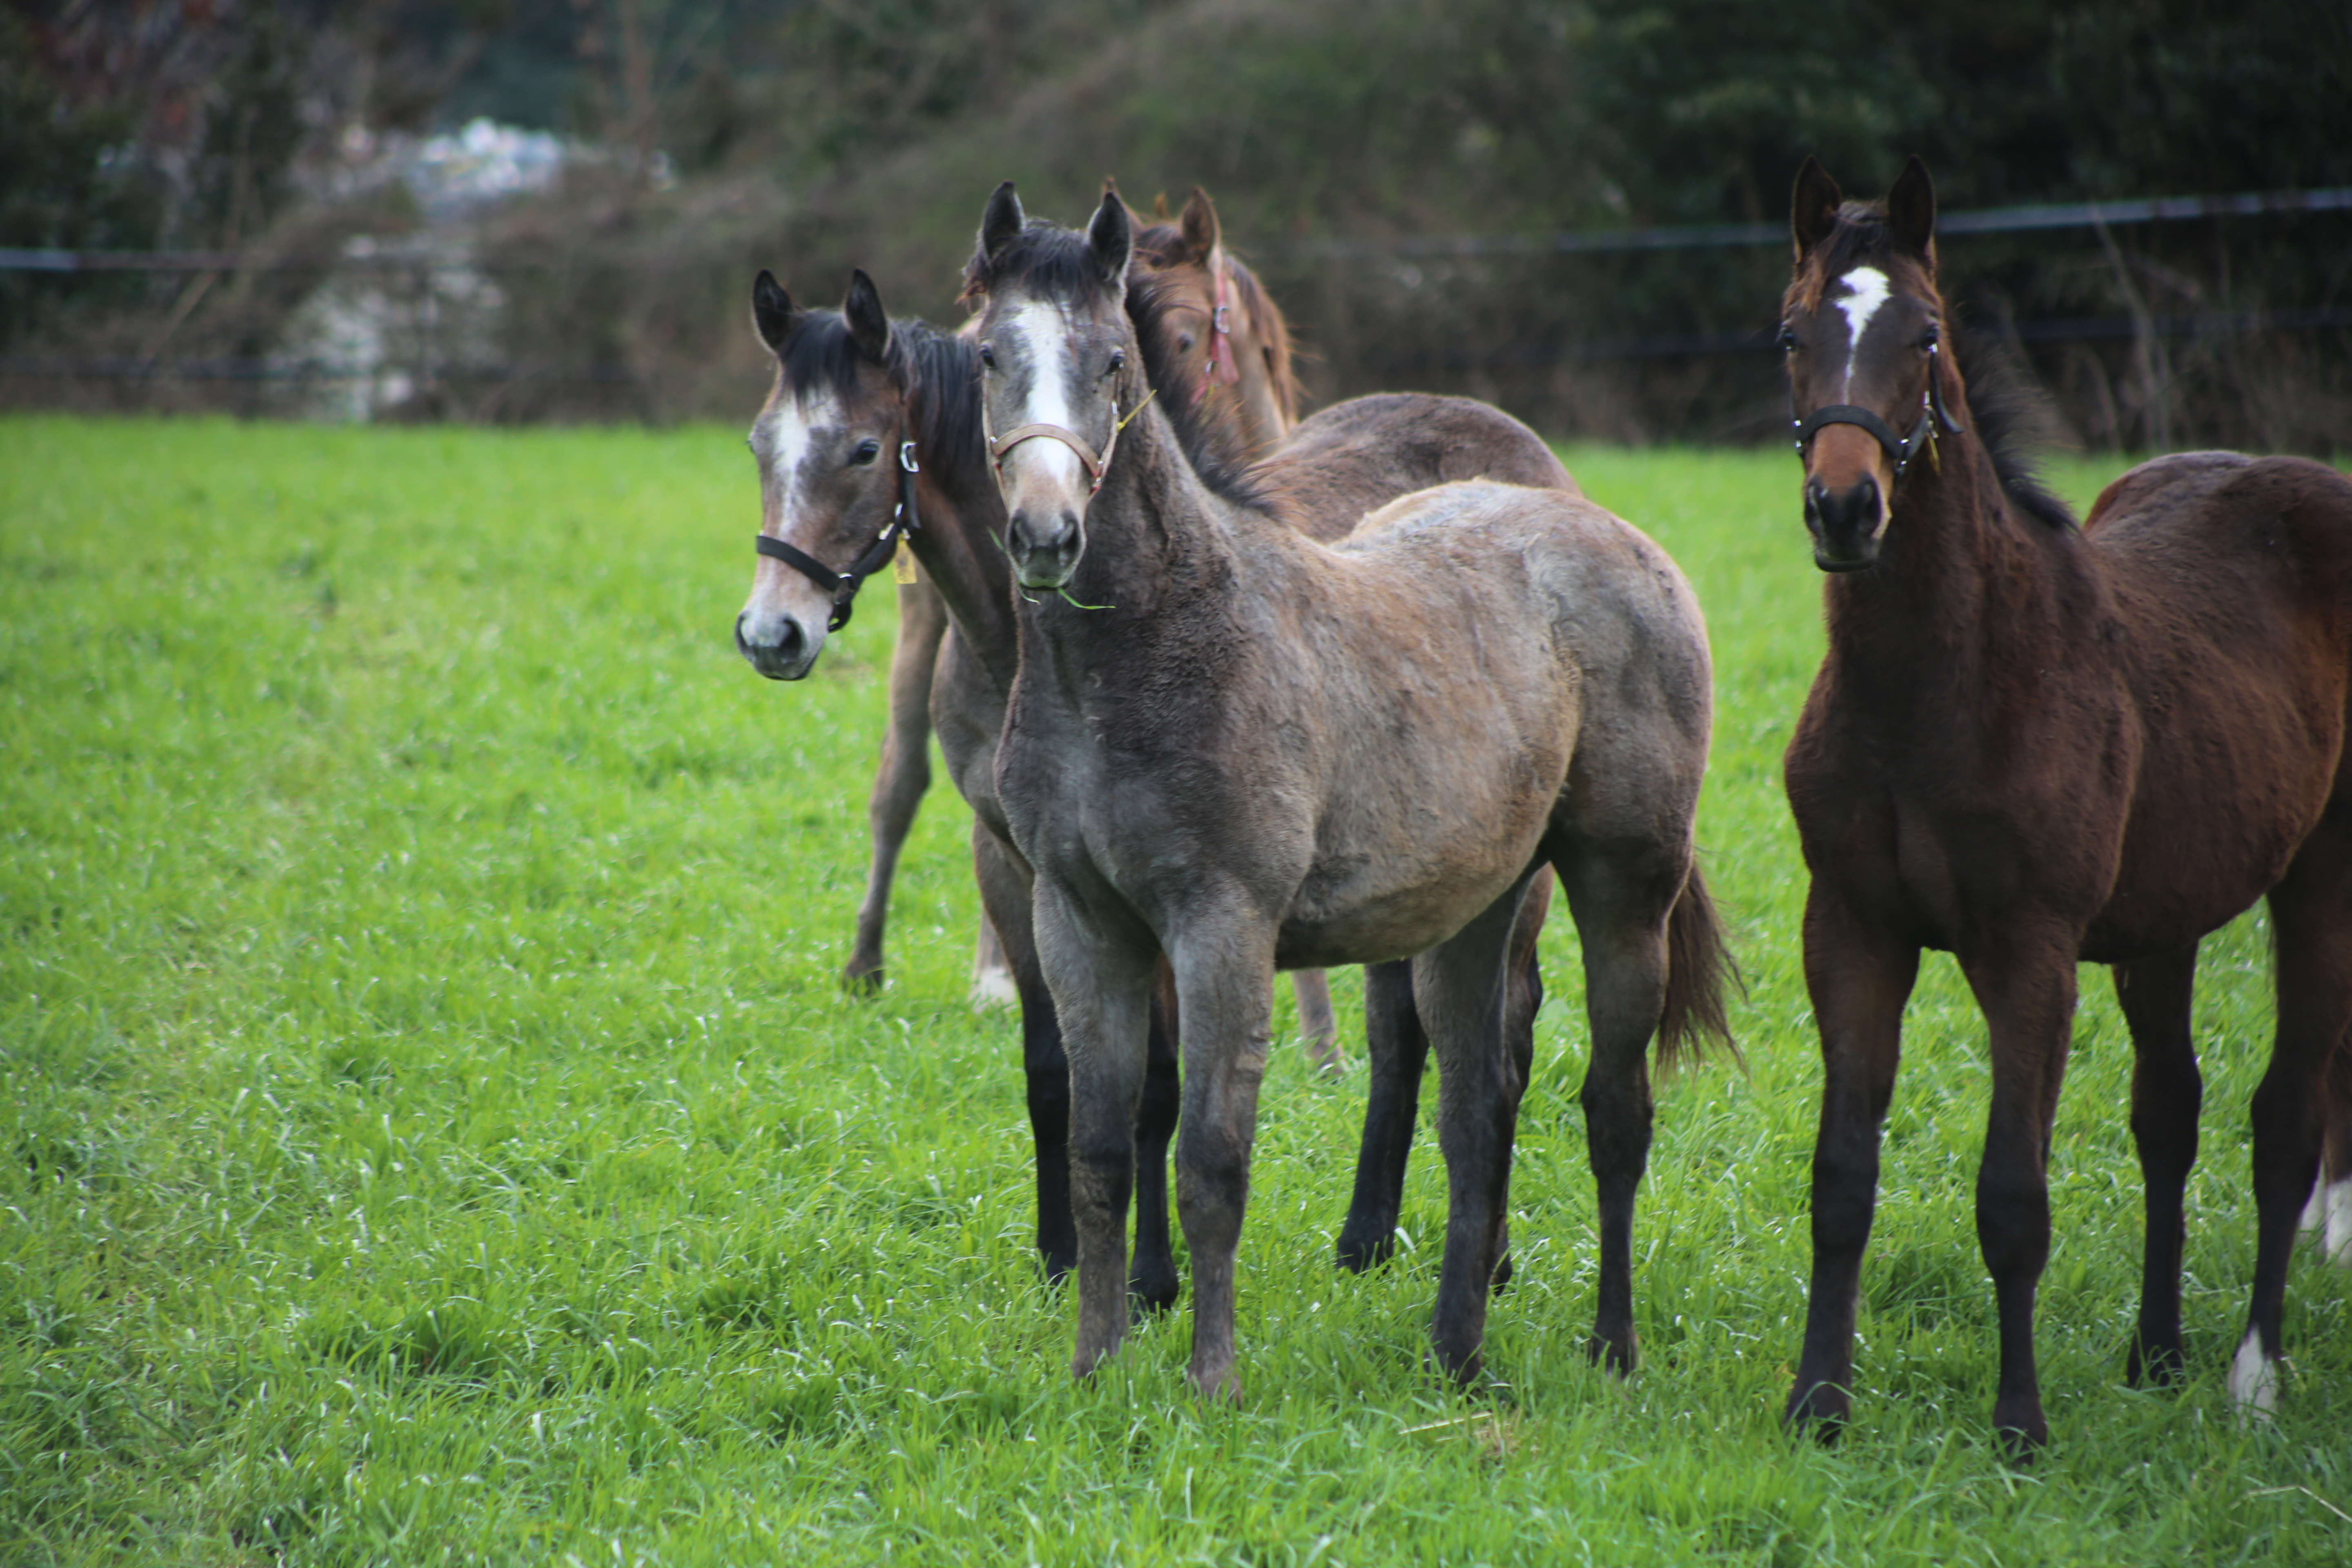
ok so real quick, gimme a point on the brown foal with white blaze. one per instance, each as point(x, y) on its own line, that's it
point(2033, 744)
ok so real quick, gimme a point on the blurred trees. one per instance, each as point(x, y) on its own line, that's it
point(812, 135)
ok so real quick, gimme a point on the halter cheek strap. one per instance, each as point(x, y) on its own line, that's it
point(1221, 370)
point(843, 585)
point(1900, 450)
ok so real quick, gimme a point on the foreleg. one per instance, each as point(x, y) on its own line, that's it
point(905, 773)
point(1858, 975)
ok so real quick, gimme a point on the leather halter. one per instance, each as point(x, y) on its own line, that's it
point(843, 585)
point(1901, 449)
point(998, 446)
point(1220, 370)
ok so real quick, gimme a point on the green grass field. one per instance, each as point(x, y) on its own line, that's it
point(435, 1132)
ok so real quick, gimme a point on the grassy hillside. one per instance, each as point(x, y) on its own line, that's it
point(436, 1133)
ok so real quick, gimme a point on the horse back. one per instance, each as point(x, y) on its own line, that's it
point(1355, 457)
point(2231, 583)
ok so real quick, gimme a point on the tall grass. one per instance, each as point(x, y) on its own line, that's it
point(434, 1131)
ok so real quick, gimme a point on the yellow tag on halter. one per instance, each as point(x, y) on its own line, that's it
point(902, 565)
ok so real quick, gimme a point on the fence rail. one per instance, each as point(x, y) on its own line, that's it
point(1665, 237)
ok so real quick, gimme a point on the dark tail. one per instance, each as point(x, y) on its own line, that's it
point(1698, 966)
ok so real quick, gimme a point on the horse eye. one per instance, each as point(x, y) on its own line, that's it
point(1788, 339)
point(1933, 335)
point(867, 451)
point(988, 356)
point(1185, 343)
point(1117, 361)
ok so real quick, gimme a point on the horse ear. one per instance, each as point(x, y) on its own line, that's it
point(1112, 240)
point(869, 324)
point(1160, 206)
point(1200, 225)
point(1000, 224)
point(1911, 210)
point(1812, 206)
point(773, 316)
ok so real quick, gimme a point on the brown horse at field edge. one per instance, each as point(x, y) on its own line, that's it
point(2032, 744)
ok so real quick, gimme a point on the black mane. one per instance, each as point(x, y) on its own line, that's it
point(1047, 259)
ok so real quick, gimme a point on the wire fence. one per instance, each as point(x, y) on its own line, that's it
point(387, 321)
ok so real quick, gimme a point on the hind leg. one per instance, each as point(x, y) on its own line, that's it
point(2311, 911)
point(1619, 894)
point(1397, 1050)
point(1319, 1031)
point(2166, 1093)
point(905, 773)
point(2329, 1212)
point(1458, 987)
point(1004, 894)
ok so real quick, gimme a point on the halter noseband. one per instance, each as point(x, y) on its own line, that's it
point(843, 585)
point(1899, 450)
point(1096, 467)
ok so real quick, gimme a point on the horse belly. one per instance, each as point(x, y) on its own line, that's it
point(1398, 878)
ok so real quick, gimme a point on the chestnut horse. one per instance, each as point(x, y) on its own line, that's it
point(872, 425)
point(1239, 750)
point(1228, 348)
point(2033, 744)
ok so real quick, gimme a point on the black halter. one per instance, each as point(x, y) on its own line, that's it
point(1900, 451)
point(843, 585)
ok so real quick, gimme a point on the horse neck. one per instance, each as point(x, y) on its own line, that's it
point(1965, 584)
point(1158, 541)
point(961, 543)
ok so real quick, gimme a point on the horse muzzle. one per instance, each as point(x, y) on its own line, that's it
point(1044, 543)
point(1846, 524)
point(778, 646)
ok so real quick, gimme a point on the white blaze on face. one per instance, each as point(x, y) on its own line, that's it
point(1867, 289)
point(2254, 1380)
point(785, 436)
point(791, 428)
point(1044, 336)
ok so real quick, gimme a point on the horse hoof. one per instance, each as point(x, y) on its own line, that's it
point(1621, 1358)
point(1502, 1276)
point(1057, 1266)
point(993, 988)
point(862, 980)
point(1820, 1413)
point(2154, 1365)
point(1359, 1256)
point(1221, 1388)
point(1149, 1296)
point(2022, 1445)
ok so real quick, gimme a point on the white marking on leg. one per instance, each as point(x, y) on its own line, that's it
point(2254, 1380)
point(1866, 289)
point(2339, 1223)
